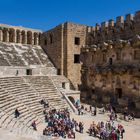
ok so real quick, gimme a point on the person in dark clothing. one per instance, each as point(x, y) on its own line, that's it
point(34, 125)
point(95, 111)
point(17, 113)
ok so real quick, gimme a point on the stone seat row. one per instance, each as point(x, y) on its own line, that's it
point(19, 55)
point(22, 93)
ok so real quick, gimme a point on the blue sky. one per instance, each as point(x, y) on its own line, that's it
point(46, 14)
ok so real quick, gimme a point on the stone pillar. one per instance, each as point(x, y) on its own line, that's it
point(14, 36)
point(29, 37)
point(11, 35)
point(20, 38)
point(8, 36)
point(32, 39)
point(37, 40)
point(5, 35)
point(25, 37)
point(1, 35)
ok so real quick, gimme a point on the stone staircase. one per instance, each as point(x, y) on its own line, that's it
point(44, 86)
point(59, 80)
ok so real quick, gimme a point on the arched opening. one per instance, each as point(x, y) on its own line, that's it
point(71, 99)
point(35, 39)
point(39, 39)
point(110, 61)
point(118, 93)
point(11, 35)
point(23, 37)
point(5, 35)
point(29, 37)
point(17, 36)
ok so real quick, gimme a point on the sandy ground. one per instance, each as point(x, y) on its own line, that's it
point(132, 129)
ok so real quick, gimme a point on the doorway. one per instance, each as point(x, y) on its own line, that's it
point(118, 93)
point(28, 71)
point(110, 61)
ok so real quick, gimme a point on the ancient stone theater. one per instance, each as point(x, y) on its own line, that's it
point(100, 65)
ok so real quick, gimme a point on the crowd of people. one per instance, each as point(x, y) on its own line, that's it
point(60, 124)
point(106, 131)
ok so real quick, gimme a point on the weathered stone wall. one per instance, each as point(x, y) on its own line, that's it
point(124, 28)
point(52, 44)
point(117, 81)
point(22, 71)
point(73, 69)
point(111, 64)
point(62, 49)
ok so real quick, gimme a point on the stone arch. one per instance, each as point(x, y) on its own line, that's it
point(18, 36)
point(11, 35)
point(35, 38)
point(110, 61)
point(71, 99)
point(29, 37)
point(5, 35)
point(23, 37)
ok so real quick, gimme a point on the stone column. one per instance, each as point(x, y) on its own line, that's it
point(1, 35)
point(5, 35)
point(20, 38)
point(8, 36)
point(14, 36)
point(25, 37)
point(37, 39)
point(32, 39)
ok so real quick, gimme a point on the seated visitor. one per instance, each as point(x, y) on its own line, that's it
point(34, 125)
point(17, 113)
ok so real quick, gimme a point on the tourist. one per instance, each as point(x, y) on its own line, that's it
point(81, 127)
point(34, 125)
point(122, 131)
point(17, 113)
point(79, 111)
point(90, 108)
point(133, 116)
point(124, 115)
point(95, 111)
